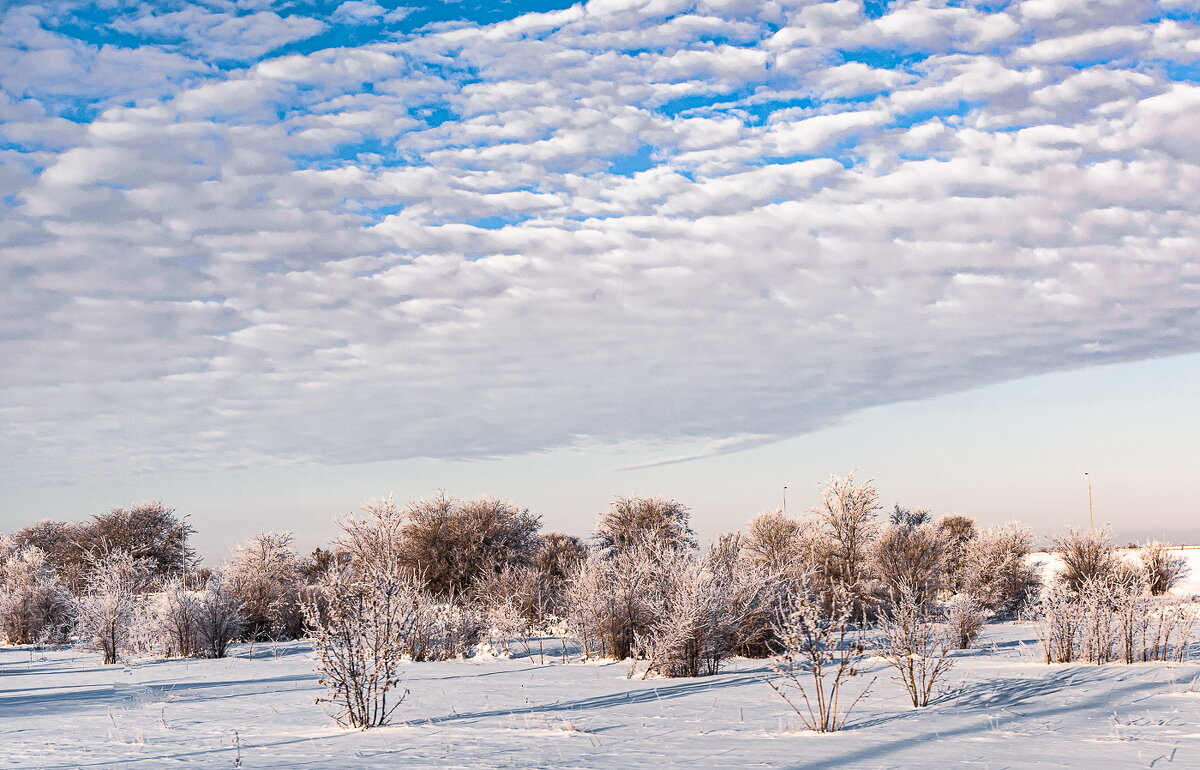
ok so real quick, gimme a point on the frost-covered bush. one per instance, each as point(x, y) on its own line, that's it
point(996, 571)
point(1163, 570)
point(633, 522)
point(964, 620)
point(707, 607)
point(34, 606)
point(218, 617)
point(907, 558)
point(359, 629)
point(106, 613)
point(821, 649)
point(1099, 626)
point(264, 578)
point(914, 642)
point(610, 598)
point(1087, 555)
point(1058, 618)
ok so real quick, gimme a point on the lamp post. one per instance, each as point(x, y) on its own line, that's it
point(785, 501)
point(1091, 516)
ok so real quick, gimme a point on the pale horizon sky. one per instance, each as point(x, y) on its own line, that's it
point(265, 259)
point(1012, 451)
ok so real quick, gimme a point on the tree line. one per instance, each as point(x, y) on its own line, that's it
point(442, 578)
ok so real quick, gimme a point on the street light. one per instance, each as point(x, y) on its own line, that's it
point(785, 501)
point(1091, 516)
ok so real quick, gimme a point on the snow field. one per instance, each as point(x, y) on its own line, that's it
point(1002, 710)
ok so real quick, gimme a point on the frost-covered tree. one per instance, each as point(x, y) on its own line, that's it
point(151, 531)
point(706, 607)
point(911, 558)
point(959, 532)
point(791, 548)
point(34, 606)
point(631, 522)
point(848, 513)
point(448, 543)
point(906, 517)
point(996, 571)
point(612, 599)
point(218, 617)
point(264, 577)
point(105, 614)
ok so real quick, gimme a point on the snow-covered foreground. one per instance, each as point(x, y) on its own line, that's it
point(1003, 710)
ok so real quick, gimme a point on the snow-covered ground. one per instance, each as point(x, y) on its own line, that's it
point(1003, 710)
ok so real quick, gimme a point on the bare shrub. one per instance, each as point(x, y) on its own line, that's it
point(996, 572)
point(105, 614)
point(448, 543)
point(1087, 555)
point(848, 513)
point(964, 620)
point(359, 630)
point(558, 555)
point(1131, 607)
point(911, 558)
point(913, 642)
point(1163, 569)
point(34, 606)
point(150, 531)
point(265, 580)
point(821, 651)
point(632, 522)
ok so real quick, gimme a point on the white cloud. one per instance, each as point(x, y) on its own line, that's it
point(584, 225)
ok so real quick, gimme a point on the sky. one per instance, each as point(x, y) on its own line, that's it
point(266, 260)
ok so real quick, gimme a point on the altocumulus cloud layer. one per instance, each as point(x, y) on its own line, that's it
point(248, 232)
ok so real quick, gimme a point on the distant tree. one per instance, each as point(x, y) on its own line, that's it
point(911, 560)
point(903, 517)
point(264, 579)
point(996, 571)
point(559, 554)
point(848, 513)
point(63, 544)
point(150, 531)
point(634, 521)
point(1163, 570)
point(774, 540)
point(1087, 555)
point(959, 531)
